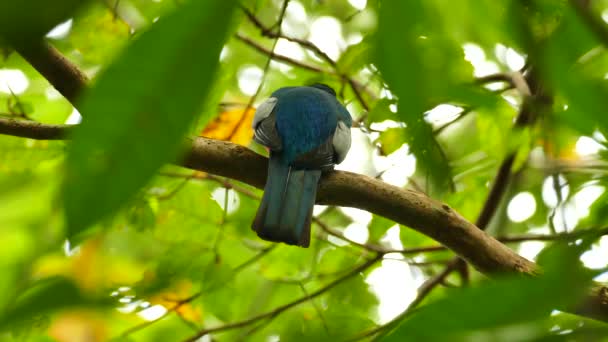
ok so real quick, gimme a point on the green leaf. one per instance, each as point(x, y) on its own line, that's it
point(419, 65)
point(502, 302)
point(25, 20)
point(378, 227)
point(381, 111)
point(355, 57)
point(392, 139)
point(335, 218)
point(42, 297)
point(141, 215)
point(140, 108)
point(564, 55)
point(98, 34)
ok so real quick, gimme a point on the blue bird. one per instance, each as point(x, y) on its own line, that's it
point(307, 131)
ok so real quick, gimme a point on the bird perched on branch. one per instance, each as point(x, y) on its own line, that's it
point(307, 131)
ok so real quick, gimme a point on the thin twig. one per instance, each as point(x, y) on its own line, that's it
point(174, 308)
point(490, 206)
point(267, 32)
point(280, 58)
point(338, 188)
point(280, 309)
point(264, 73)
point(423, 291)
point(176, 189)
point(460, 116)
point(186, 300)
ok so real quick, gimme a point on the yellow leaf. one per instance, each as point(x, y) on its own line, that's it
point(171, 297)
point(97, 270)
point(51, 265)
point(78, 326)
point(88, 267)
point(232, 125)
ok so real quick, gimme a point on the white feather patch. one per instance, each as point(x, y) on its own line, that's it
point(264, 110)
point(341, 141)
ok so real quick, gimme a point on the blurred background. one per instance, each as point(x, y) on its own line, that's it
point(448, 98)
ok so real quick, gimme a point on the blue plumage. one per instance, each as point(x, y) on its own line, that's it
point(307, 130)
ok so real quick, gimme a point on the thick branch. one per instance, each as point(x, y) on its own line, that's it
point(340, 188)
point(348, 189)
point(345, 189)
point(58, 70)
point(33, 130)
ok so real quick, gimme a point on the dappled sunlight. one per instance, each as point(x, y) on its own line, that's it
point(354, 39)
point(225, 53)
point(357, 232)
point(597, 257)
point(530, 249)
point(477, 57)
point(359, 159)
point(585, 197)
point(60, 31)
point(289, 49)
point(326, 33)
point(357, 215)
point(358, 4)
point(509, 57)
point(250, 77)
point(74, 118)
point(554, 186)
point(395, 286)
point(13, 81)
point(153, 312)
point(296, 12)
point(586, 146)
point(521, 207)
point(397, 167)
point(392, 237)
point(565, 218)
point(442, 114)
point(233, 202)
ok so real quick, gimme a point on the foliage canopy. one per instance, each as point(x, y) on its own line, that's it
point(494, 108)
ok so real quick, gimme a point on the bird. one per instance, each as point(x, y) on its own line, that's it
point(307, 131)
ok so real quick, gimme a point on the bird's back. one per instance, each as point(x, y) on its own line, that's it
point(306, 117)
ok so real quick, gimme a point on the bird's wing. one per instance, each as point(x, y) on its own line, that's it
point(332, 151)
point(264, 125)
point(341, 141)
point(263, 111)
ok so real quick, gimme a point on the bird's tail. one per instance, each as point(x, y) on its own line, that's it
point(285, 212)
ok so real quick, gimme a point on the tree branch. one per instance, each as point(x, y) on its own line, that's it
point(273, 313)
point(56, 68)
point(33, 129)
point(278, 57)
point(406, 207)
point(267, 32)
point(348, 189)
point(264, 73)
